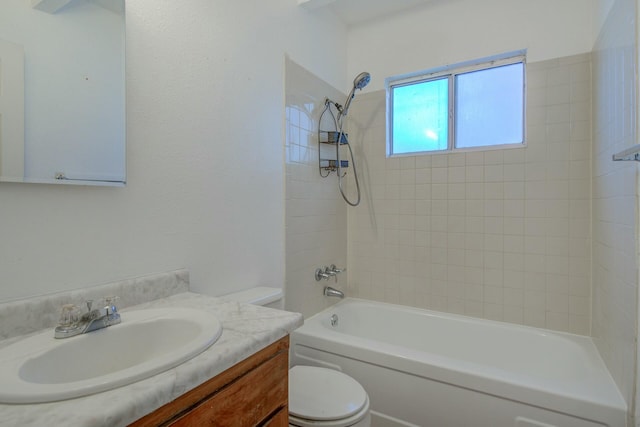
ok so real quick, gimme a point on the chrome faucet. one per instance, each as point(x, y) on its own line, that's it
point(327, 272)
point(331, 292)
point(73, 323)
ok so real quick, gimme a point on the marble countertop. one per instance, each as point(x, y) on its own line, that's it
point(246, 330)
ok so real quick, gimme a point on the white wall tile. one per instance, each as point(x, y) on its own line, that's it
point(316, 217)
point(499, 222)
point(615, 193)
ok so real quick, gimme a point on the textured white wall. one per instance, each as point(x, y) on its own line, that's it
point(205, 102)
point(446, 32)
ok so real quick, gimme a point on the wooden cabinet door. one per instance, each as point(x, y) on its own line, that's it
point(253, 392)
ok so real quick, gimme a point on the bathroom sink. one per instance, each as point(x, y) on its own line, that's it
point(40, 368)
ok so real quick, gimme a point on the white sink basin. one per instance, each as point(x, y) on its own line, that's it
point(43, 369)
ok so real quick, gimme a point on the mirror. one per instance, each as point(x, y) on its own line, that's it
point(62, 92)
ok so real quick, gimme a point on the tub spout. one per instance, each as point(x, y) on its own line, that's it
point(330, 292)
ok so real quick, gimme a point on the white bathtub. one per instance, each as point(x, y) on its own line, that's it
point(426, 368)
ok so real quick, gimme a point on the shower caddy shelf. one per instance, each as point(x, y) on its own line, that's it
point(330, 137)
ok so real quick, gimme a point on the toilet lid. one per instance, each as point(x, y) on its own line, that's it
point(323, 394)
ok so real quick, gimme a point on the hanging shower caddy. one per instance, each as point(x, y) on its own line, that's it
point(336, 138)
point(327, 156)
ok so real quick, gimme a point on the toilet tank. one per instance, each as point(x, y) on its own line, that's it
point(260, 295)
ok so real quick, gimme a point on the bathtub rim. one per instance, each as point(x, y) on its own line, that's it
point(611, 410)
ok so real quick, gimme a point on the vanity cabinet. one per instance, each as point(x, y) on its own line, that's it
point(253, 392)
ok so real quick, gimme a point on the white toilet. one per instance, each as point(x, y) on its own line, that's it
point(318, 397)
point(321, 397)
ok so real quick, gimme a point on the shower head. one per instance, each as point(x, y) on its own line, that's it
point(359, 82)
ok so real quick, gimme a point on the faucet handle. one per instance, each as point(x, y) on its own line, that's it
point(69, 315)
point(110, 304)
point(321, 273)
point(336, 270)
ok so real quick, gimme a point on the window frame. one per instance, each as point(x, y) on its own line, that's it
point(450, 72)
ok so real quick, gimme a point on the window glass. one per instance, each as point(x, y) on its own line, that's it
point(420, 112)
point(475, 104)
point(489, 107)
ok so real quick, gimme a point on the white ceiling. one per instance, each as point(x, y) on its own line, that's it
point(353, 12)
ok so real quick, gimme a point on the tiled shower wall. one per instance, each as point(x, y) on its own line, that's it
point(615, 190)
point(501, 234)
point(315, 215)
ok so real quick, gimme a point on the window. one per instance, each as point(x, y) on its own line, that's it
point(465, 106)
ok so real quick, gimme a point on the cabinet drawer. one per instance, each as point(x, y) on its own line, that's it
point(248, 401)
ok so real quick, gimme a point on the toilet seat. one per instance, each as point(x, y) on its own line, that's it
point(322, 396)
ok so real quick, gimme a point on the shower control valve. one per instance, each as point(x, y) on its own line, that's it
point(327, 272)
point(322, 273)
